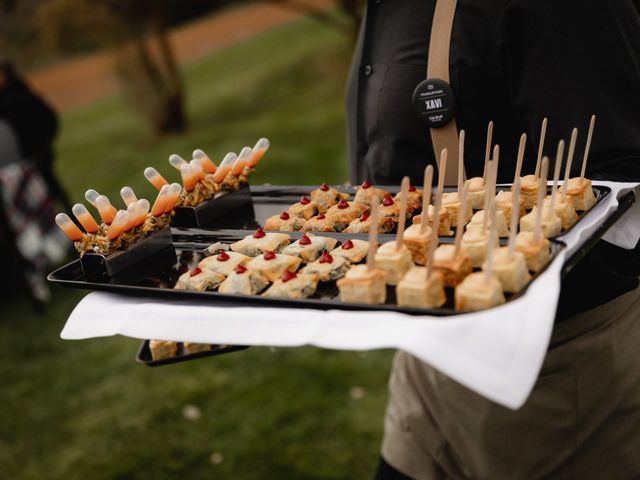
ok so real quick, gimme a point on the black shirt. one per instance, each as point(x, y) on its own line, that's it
point(513, 62)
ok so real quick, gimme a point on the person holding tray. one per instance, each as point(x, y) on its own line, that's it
point(513, 63)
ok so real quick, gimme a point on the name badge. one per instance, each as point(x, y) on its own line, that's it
point(434, 102)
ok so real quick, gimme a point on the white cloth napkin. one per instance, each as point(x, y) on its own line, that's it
point(497, 353)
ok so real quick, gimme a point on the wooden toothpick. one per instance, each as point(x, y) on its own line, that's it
point(426, 197)
point(515, 217)
point(488, 196)
point(487, 152)
point(543, 133)
point(542, 191)
point(492, 241)
point(567, 170)
point(587, 147)
point(521, 147)
point(433, 240)
point(402, 220)
point(460, 162)
point(373, 232)
point(462, 213)
point(556, 177)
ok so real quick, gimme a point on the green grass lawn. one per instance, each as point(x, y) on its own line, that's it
point(85, 410)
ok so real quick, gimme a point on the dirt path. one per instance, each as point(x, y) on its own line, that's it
point(81, 81)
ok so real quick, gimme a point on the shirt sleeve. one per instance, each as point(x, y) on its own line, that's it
point(569, 59)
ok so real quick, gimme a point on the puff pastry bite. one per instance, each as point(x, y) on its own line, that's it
point(244, 281)
point(327, 196)
point(476, 190)
point(190, 347)
point(284, 222)
point(512, 273)
point(551, 223)
point(564, 210)
point(581, 192)
point(224, 262)
point(305, 208)
point(323, 223)
point(504, 202)
point(529, 190)
point(272, 265)
point(353, 250)
point(453, 268)
point(477, 220)
point(198, 280)
point(451, 205)
point(414, 199)
point(161, 349)
point(417, 243)
point(394, 262)
point(309, 247)
point(444, 225)
point(536, 254)
point(415, 290)
point(363, 285)
point(478, 293)
point(363, 223)
point(260, 242)
point(293, 286)
point(345, 211)
point(390, 208)
point(328, 267)
point(475, 242)
point(366, 192)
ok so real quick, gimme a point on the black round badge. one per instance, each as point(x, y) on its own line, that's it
point(434, 102)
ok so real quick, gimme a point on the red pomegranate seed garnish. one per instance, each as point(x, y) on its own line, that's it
point(348, 245)
point(412, 188)
point(285, 216)
point(324, 187)
point(259, 233)
point(286, 276)
point(364, 217)
point(343, 204)
point(195, 272)
point(304, 200)
point(304, 240)
point(365, 184)
point(269, 255)
point(326, 258)
point(240, 269)
point(321, 216)
point(387, 201)
point(223, 256)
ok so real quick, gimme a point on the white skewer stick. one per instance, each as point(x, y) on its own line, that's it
point(488, 195)
point(496, 162)
point(460, 163)
point(556, 177)
point(402, 220)
point(567, 169)
point(515, 217)
point(487, 151)
point(491, 245)
point(426, 199)
point(461, 219)
point(587, 147)
point(521, 148)
point(433, 240)
point(441, 169)
point(373, 232)
point(543, 133)
point(542, 191)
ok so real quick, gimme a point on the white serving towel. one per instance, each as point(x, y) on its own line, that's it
point(497, 353)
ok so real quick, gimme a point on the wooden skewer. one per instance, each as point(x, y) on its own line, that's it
point(567, 169)
point(542, 190)
point(426, 197)
point(402, 221)
point(487, 151)
point(462, 212)
point(556, 177)
point(433, 240)
point(460, 162)
point(442, 168)
point(515, 217)
point(496, 162)
point(373, 232)
point(543, 133)
point(488, 195)
point(521, 147)
point(492, 241)
point(587, 147)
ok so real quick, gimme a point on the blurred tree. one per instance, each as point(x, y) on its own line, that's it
point(351, 11)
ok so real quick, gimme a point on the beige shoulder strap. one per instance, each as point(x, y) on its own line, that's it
point(438, 67)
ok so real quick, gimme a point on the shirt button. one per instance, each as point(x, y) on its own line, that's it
point(368, 70)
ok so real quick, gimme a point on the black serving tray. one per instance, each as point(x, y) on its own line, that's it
point(156, 276)
point(144, 354)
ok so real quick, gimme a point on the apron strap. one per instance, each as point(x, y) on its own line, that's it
point(438, 67)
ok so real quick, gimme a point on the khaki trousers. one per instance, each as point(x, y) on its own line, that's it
point(581, 421)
